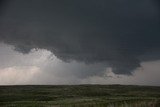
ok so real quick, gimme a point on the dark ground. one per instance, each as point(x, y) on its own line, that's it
point(78, 95)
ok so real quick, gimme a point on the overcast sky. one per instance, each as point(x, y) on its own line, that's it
point(80, 42)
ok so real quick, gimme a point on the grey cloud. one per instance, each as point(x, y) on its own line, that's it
point(44, 65)
point(115, 33)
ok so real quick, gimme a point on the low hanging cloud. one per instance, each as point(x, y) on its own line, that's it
point(42, 67)
point(118, 33)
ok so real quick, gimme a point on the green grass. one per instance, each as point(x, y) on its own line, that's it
point(79, 96)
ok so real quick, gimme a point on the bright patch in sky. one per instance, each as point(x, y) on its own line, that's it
point(42, 67)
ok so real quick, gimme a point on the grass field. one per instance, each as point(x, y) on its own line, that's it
point(79, 96)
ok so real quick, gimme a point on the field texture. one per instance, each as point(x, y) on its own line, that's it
point(79, 96)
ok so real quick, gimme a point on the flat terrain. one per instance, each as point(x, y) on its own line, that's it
point(79, 96)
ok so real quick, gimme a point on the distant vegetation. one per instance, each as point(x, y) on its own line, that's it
point(79, 96)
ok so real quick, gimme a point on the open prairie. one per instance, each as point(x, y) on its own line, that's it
point(79, 96)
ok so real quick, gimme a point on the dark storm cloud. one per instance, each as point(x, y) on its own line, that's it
point(115, 32)
point(2, 4)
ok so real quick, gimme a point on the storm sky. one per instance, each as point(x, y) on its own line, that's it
point(80, 42)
